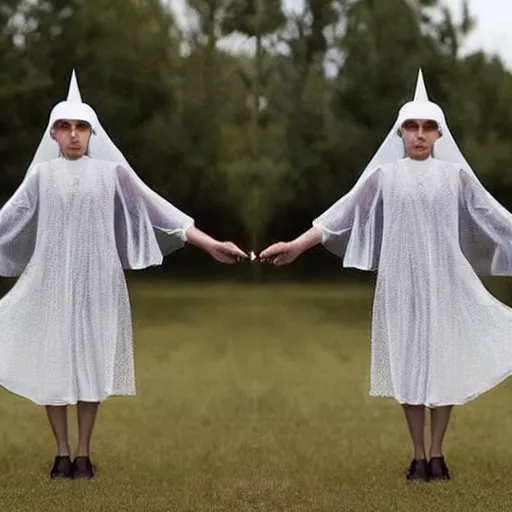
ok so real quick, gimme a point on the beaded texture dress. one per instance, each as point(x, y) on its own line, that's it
point(428, 227)
point(68, 232)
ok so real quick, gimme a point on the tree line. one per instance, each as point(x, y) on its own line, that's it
point(252, 145)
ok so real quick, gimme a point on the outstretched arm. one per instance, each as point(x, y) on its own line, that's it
point(355, 210)
point(225, 252)
point(140, 199)
point(18, 226)
point(172, 226)
point(351, 210)
point(283, 253)
point(485, 228)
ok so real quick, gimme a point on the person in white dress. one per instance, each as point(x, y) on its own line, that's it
point(421, 218)
point(80, 216)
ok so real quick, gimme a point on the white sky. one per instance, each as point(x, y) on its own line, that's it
point(493, 30)
point(493, 26)
point(492, 34)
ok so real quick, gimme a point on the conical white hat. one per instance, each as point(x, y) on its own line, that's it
point(392, 149)
point(73, 107)
point(421, 107)
point(101, 146)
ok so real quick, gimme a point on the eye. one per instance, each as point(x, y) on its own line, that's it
point(61, 125)
point(431, 126)
point(410, 126)
point(82, 126)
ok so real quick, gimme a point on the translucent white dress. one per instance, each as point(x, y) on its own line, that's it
point(438, 336)
point(69, 230)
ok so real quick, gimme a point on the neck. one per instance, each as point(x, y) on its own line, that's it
point(420, 158)
point(71, 158)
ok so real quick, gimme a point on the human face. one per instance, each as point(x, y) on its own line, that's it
point(73, 137)
point(419, 136)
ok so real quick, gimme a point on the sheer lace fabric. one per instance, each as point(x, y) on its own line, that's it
point(438, 336)
point(68, 231)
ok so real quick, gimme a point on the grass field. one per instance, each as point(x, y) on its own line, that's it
point(256, 399)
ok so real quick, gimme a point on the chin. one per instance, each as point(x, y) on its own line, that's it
point(74, 155)
point(420, 156)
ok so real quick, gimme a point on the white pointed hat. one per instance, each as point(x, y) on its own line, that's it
point(73, 107)
point(101, 146)
point(73, 91)
point(420, 94)
point(421, 107)
point(392, 149)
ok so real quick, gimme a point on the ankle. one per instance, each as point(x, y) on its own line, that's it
point(420, 453)
point(63, 452)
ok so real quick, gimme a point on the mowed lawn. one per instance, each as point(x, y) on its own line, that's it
point(255, 398)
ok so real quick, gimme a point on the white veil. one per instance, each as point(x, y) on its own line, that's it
point(352, 228)
point(392, 149)
point(149, 227)
point(101, 146)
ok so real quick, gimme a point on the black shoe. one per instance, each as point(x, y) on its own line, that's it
point(83, 468)
point(418, 470)
point(62, 467)
point(438, 470)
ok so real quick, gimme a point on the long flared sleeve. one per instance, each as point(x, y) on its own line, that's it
point(18, 226)
point(147, 226)
point(352, 227)
point(485, 228)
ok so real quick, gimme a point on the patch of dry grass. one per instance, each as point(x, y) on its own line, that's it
point(255, 399)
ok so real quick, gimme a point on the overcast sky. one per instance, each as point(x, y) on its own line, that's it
point(493, 32)
point(493, 26)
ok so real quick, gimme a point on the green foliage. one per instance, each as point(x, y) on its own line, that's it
point(253, 17)
point(254, 144)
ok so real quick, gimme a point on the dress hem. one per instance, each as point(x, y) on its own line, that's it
point(70, 401)
point(461, 401)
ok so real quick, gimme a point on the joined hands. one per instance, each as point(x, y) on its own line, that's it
point(226, 252)
point(280, 253)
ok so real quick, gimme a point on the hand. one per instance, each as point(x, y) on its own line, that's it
point(226, 252)
point(281, 253)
